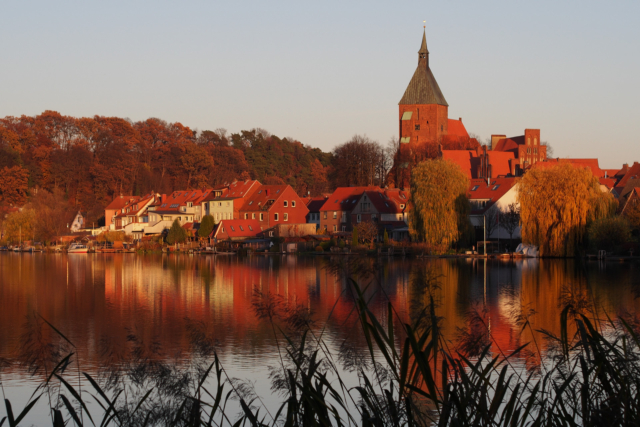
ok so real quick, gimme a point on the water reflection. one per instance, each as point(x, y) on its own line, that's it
point(101, 300)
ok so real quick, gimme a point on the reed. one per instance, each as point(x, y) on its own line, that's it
point(409, 376)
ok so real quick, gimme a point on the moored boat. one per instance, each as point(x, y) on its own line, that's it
point(78, 248)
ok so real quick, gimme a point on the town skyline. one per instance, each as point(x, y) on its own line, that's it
point(338, 76)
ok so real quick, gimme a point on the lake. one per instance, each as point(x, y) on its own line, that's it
point(109, 305)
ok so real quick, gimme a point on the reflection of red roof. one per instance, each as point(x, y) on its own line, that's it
point(457, 129)
point(344, 198)
point(239, 228)
point(498, 187)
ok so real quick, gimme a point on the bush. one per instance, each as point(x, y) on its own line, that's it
point(326, 246)
point(176, 234)
point(341, 244)
point(319, 249)
point(609, 234)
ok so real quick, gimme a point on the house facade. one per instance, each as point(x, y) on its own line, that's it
point(274, 204)
point(490, 199)
point(225, 203)
point(335, 213)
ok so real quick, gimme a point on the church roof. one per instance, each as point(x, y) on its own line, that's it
point(423, 88)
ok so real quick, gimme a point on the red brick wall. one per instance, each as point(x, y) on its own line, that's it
point(296, 215)
point(432, 119)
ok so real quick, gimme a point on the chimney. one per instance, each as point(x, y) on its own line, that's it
point(163, 198)
point(460, 118)
point(266, 192)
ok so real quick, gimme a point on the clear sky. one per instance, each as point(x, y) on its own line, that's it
point(323, 71)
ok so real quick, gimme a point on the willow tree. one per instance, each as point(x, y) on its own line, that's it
point(440, 208)
point(556, 206)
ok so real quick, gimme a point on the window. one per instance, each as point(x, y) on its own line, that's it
point(325, 227)
point(259, 191)
point(535, 150)
point(241, 229)
point(359, 218)
point(228, 203)
point(261, 217)
point(417, 127)
point(189, 204)
point(335, 228)
point(407, 115)
point(335, 215)
point(374, 216)
point(277, 191)
point(344, 228)
point(286, 217)
point(325, 215)
point(251, 202)
point(401, 206)
point(405, 139)
point(275, 217)
point(535, 141)
point(528, 141)
point(293, 203)
point(475, 187)
point(253, 216)
point(233, 229)
point(286, 204)
point(246, 216)
point(223, 229)
point(250, 228)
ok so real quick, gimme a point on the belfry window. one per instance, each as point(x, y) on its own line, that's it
point(417, 127)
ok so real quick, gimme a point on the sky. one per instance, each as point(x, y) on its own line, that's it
point(321, 72)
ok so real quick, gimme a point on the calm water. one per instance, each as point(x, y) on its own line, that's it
point(98, 300)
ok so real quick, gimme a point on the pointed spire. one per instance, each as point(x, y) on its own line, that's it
point(423, 48)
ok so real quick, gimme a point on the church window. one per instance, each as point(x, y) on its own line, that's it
point(535, 141)
point(528, 141)
point(417, 127)
point(535, 150)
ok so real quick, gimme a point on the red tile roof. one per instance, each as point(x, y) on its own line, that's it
point(457, 129)
point(344, 198)
point(136, 206)
point(120, 202)
point(499, 162)
point(388, 201)
point(238, 228)
point(498, 187)
point(608, 182)
point(632, 172)
point(263, 196)
point(314, 204)
point(508, 144)
point(462, 158)
point(175, 200)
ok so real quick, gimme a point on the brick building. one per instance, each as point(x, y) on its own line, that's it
point(335, 213)
point(274, 204)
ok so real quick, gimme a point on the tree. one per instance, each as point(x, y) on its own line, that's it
point(19, 226)
point(14, 184)
point(491, 220)
point(53, 213)
point(632, 213)
point(609, 233)
point(440, 208)
point(366, 231)
point(176, 234)
point(206, 226)
point(510, 220)
point(556, 205)
point(354, 237)
point(359, 162)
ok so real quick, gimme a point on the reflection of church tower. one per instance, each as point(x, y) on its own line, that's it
point(423, 109)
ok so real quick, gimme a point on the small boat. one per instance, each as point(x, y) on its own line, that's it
point(78, 248)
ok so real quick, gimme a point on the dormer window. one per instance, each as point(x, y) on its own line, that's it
point(475, 187)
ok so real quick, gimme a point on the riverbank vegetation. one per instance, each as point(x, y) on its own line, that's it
point(409, 374)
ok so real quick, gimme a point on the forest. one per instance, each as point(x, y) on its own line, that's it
point(88, 161)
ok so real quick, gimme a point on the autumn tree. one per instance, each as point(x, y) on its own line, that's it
point(206, 226)
point(359, 162)
point(609, 233)
point(632, 213)
point(366, 231)
point(19, 226)
point(53, 213)
point(176, 234)
point(557, 204)
point(440, 207)
point(14, 184)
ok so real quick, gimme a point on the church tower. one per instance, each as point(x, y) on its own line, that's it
point(423, 110)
